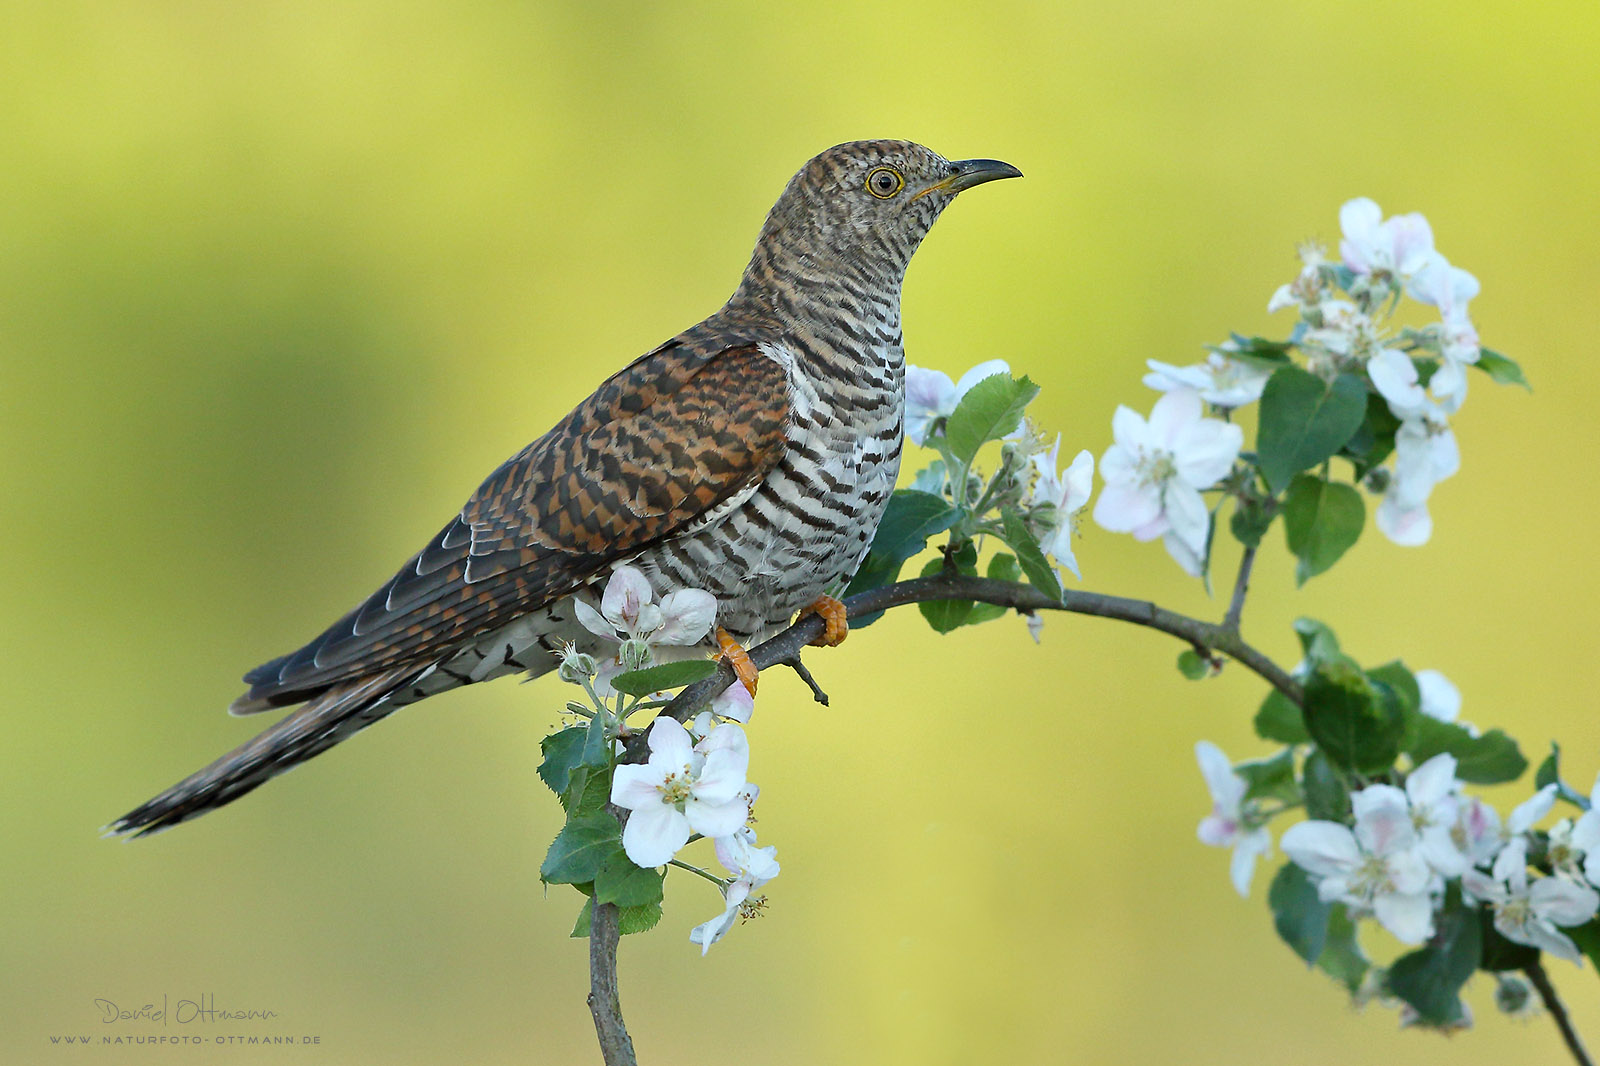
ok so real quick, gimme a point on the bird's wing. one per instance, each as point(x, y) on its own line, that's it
point(660, 444)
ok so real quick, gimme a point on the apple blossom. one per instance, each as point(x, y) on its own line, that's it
point(931, 395)
point(1376, 868)
point(1477, 832)
point(1060, 498)
point(1229, 824)
point(1430, 796)
point(1425, 454)
point(1440, 697)
point(1530, 913)
point(1155, 471)
point(1398, 247)
point(1221, 381)
point(752, 867)
point(1585, 836)
point(682, 790)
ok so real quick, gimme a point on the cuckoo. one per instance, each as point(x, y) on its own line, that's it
point(751, 456)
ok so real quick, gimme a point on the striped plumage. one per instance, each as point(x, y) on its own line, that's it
point(751, 455)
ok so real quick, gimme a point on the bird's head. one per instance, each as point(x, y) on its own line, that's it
point(863, 207)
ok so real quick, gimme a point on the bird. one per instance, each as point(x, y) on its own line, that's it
point(751, 455)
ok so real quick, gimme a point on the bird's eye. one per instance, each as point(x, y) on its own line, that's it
point(884, 182)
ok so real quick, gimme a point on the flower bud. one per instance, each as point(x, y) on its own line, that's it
point(575, 666)
point(634, 654)
point(1514, 996)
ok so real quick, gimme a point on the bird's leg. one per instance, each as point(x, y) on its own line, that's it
point(833, 613)
point(734, 654)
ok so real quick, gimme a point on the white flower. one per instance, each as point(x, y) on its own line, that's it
point(1308, 290)
point(1514, 837)
point(1431, 797)
point(1450, 289)
point(1477, 833)
point(1226, 825)
point(752, 867)
point(1065, 495)
point(682, 790)
point(1377, 868)
point(931, 395)
point(1400, 246)
point(734, 702)
point(1529, 914)
point(1586, 836)
point(1440, 698)
point(1156, 469)
point(1220, 381)
point(1425, 454)
point(628, 613)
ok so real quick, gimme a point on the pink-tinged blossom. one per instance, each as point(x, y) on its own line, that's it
point(682, 789)
point(1155, 471)
point(931, 395)
point(1399, 246)
point(1227, 826)
point(1060, 497)
point(1377, 868)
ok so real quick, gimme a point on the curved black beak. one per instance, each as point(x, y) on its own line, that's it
point(970, 172)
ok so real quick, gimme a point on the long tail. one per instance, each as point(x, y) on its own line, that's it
point(315, 727)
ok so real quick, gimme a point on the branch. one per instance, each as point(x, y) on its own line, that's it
point(1241, 585)
point(1558, 1011)
point(615, 1043)
point(1026, 599)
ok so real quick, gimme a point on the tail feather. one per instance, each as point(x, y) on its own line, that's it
point(332, 716)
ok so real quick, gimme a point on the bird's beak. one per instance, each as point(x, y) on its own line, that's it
point(970, 172)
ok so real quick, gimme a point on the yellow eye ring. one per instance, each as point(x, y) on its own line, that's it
point(885, 182)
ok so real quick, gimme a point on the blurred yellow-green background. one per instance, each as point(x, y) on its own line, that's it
point(280, 283)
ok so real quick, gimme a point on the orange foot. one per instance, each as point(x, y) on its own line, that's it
point(834, 614)
point(735, 655)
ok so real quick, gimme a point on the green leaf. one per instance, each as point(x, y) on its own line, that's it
point(1192, 666)
point(1327, 796)
point(627, 885)
point(1298, 915)
point(1490, 759)
point(1587, 937)
point(1501, 368)
point(588, 792)
point(1549, 772)
point(943, 615)
point(990, 409)
point(1430, 979)
point(667, 675)
point(1279, 719)
point(596, 743)
point(1304, 421)
point(1342, 958)
point(581, 850)
point(1373, 441)
point(1351, 720)
point(1041, 575)
point(1270, 778)
point(1400, 681)
point(1250, 520)
point(563, 753)
point(930, 479)
point(1002, 567)
point(629, 919)
point(1322, 521)
point(1316, 640)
